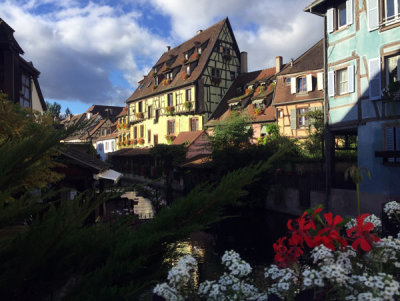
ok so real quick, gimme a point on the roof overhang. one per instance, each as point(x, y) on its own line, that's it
point(108, 174)
point(318, 7)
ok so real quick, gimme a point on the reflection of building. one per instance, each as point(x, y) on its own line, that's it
point(299, 89)
point(362, 58)
point(18, 78)
point(184, 86)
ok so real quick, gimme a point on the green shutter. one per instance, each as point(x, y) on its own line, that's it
point(293, 119)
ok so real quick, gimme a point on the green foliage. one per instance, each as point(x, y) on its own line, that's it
point(53, 109)
point(356, 174)
point(314, 143)
point(169, 155)
point(234, 132)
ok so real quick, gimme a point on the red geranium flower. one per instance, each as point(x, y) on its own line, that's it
point(301, 232)
point(330, 234)
point(361, 233)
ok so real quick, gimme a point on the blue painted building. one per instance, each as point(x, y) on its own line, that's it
point(362, 70)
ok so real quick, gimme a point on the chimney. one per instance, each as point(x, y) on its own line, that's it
point(278, 64)
point(199, 31)
point(168, 48)
point(243, 60)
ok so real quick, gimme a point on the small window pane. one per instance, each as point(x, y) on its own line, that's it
point(342, 15)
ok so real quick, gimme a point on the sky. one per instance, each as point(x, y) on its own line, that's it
point(95, 52)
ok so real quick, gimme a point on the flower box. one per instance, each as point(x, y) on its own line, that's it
point(166, 81)
point(170, 110)
point(140, 141)
point(170, 138)
point(134, 141)
point(139, 115)
point(188, 105)
point(258, 111)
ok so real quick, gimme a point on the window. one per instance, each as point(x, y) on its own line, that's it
point(341, 14)
point(25, 92)
point(140, 106)
point(288, 81)
point(194, 124)
point(391, 11)
point(302, 120)
point(280, 113)
point(186, 56)
point(188, 94)
point(157, 114)
point(199, 50)
point(301, 84)
point(392, 141)
point(170, 99)
point(148, 136)
point(215, 72)
point(156, 81)
point(169, 75)
point(392, 65)
point(188, 70)
point(149, 112)
point(135, 132)
point(140, 86)
point(155, 139)
point(342, 81)
point(233, 75)
point(170, 127)
point(142, 131)
point(149, 84)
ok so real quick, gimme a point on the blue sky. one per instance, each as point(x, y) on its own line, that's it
point(95, 52)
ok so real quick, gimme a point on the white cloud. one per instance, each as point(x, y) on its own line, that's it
point(77, 48)
point(263, 28)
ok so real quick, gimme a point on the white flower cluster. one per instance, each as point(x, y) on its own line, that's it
point(232, 285)
point(322, 255)
point(312, 278)
point(387, 250)
point(373, 219)
point(391, 209)
point(283, 282)
point(179, 278)
point(373, 287)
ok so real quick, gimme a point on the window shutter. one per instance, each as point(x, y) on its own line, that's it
point(373, 14)
point(349, 12)
point(310, 119)
point(397, 141)
point(350, 74)
point(331, 83)
point(293, 85)
point(293, 119)
point(329, 20)
point(320, 81)
point(398, 69)
point(389, 140)
point(374, 66)
point(309, 83)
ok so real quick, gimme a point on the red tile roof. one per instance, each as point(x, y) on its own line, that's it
point(187, 137)
point(173, 60)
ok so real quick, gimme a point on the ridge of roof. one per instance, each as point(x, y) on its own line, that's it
point(311, 59)
point(209, 35)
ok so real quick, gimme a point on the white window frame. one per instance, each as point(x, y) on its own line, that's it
point(396, 17)
point(338, 86)
point(302, 121)
point(338, 15)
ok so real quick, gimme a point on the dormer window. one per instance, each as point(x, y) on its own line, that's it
point(155, 69)
point(186, 56)
point(140, 86)
point(169, 75)
point(199, 50)
point(156, 81)
point(148, 84)
point(188, 70)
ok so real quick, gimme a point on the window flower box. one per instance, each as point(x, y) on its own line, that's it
point(257, 111)
point(140, 141)
point(188, 105)
point(170, 138)
point(248, 91)
point(166, 81)
point(259, 89)
point(170, 110)
point(139, 115)
point(134, 141)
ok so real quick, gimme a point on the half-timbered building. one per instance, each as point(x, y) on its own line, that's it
point(185, 86)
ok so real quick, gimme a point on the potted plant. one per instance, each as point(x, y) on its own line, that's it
point(166, 81)
point(248, 91)
point(170, 138)
point(259, 89)
point(188, 105)
point(135, 141)
point(139, 115)
point(140, 141)
point(170, 110)
point(258, 111)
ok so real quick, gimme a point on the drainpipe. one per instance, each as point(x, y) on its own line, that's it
point(326, 122)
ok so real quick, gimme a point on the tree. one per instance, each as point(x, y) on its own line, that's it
point(67, 112)
point(314, 142)
point(53, 109)
point(233, 132)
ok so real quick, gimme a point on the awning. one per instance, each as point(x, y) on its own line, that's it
point(108, 174)
point(258, 101)
point(264, 130)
